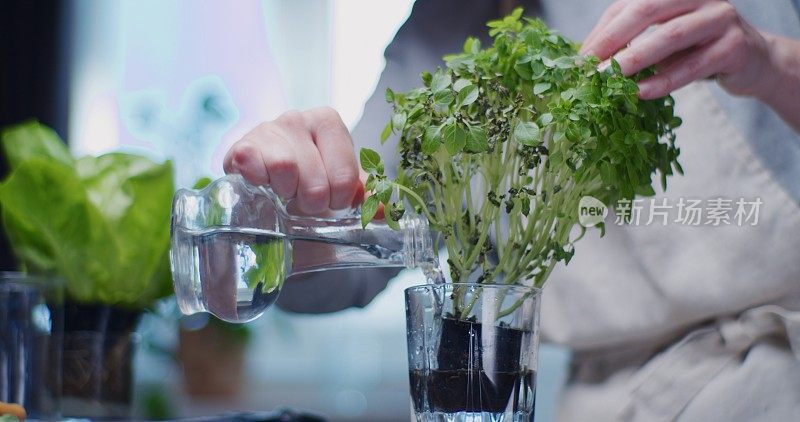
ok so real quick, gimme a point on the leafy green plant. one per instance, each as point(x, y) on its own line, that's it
point(504, 142)
point(100, 223)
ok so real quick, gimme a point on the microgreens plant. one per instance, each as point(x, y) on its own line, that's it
point(498, 148)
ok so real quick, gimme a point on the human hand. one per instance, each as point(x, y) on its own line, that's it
point(694, 39)
point(303, 156)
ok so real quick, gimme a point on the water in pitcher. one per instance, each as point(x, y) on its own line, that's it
point(241, 271)
point(234, 244)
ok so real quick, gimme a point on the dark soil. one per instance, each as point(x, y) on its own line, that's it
point(99, 318)
point(97, 352)
point(472, 391)
point(460, 383)
point(461, 347)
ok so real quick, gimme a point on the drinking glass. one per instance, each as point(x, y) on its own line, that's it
point(31, 324)
point(472, 351)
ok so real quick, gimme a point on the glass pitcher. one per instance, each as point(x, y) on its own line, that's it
point(234, 244)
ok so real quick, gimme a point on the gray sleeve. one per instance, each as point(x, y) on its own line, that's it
point(333, 290)
point(433, 29)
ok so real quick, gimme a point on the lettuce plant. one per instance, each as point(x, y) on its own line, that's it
point(498, 148)
point(99, 223)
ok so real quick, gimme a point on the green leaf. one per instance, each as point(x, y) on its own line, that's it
point(455, 138)
point(383, 190)
point(468, 44)
point(389, 95)
point(525, 205)
point(371, 161)
point(460, 84)
point(645, 190)
point(472, 45)
point(386, 133)
point(615, 67)
point(370, 184)
point(399, 121)
point(416, 112)
point(602, 227)
point(476, 140)
point(101, 223)
point(442, 99)
point(369, 209)
point(527, 133)
point(104, 178)
point(524, 70)
point(541, 87)
point(431, 140)
point(32, 139)
point(564, 62)
point(538, 69)
point(390, 221)
point(441, 81)
point(468, 95)
point(55, 229)
point(426, 78)
point(133, 194)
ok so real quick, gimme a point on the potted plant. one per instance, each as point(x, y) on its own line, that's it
point(102, 225)
point(497, 150)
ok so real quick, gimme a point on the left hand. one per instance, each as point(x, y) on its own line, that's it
point(694, 39)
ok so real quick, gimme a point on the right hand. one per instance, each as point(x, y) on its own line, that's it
point(693, 39)
point(304, 156)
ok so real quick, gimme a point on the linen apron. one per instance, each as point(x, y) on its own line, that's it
point(687, 322)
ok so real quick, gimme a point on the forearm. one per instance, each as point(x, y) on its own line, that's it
point(783, 96)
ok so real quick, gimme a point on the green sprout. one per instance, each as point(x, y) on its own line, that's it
point(498, 148)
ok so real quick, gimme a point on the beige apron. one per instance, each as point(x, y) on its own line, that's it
point(686, 322)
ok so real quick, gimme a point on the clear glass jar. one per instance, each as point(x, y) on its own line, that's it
point(234, 244)
point(31, 329)
point(472, 351)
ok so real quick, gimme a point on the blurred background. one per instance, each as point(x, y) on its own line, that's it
point(183, 80)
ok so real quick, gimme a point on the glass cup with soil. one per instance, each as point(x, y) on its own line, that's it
point(99, 346)
point(31, 318)
point(472, 351)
